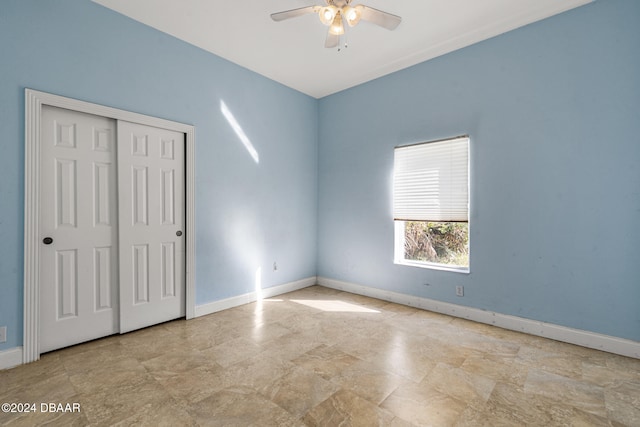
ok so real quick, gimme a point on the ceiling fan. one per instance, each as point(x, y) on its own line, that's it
point(336, 12)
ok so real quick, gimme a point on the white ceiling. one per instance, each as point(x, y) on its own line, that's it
point(292, 52)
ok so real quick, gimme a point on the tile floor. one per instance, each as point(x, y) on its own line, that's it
point(320, 357)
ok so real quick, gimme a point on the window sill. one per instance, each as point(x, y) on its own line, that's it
point(430, 266)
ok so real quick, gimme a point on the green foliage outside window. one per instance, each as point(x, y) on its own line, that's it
point(437, 242)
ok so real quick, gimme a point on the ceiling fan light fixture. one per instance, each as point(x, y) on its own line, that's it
point(335, 13)
point(352, 14)
point(327, 14)
point(336, 27)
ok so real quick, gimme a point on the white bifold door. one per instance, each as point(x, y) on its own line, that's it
point(112, 216)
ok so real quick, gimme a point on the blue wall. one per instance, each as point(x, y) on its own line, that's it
point(248, 214)
point(553, 112)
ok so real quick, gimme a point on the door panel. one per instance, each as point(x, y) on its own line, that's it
point(103, 278)
point(78, 295)
point(151, 225)
point(103, 181)
point(65, 195)
point(167, 270)
point(67, 283)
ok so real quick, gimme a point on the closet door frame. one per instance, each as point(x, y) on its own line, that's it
point(34, 100)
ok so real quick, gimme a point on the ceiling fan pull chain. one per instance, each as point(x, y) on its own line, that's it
point(343, 38)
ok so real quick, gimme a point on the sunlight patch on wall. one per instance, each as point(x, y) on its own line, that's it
point(239, 131)
point(258, 282)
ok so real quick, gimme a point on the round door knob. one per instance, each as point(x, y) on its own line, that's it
point(47, 240)
point(178, 233)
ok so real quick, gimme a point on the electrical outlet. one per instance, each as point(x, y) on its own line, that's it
point(3, 334)
point(460, 291)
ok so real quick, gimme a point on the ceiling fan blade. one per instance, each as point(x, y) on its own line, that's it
point(378, 17)
point(294, 13)
point(332, 40)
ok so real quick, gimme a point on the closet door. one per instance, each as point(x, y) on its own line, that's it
point(151, 225)
point(78, 228)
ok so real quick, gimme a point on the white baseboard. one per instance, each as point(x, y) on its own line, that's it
point(10, 358)
point(215, 306)
point(580, 337)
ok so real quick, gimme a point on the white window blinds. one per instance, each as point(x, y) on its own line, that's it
point(431, 181)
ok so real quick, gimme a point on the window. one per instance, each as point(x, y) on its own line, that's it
point(431, 204)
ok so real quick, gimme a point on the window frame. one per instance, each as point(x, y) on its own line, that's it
point(399, 225)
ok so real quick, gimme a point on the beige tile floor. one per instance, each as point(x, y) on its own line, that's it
point(320, 357)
